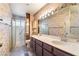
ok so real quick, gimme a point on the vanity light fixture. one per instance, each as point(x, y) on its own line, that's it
point(27, 24)
point(40, 17)
point(45, 16)
point(52, 12)
point(48, 14)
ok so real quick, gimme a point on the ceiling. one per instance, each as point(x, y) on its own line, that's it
point(21, 9)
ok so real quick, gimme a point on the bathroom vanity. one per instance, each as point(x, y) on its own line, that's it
point(43, 46)
point(60, 27)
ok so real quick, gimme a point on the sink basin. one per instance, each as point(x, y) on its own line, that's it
point(58, 42)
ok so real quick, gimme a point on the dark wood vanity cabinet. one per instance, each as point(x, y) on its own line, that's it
point(46, 53)
point(47, 50)
point(58, 52)
point(32, 44)
point(43, 49)
point(38, 50)
point(47, 47)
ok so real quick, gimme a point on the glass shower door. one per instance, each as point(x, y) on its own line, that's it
point(18, 32)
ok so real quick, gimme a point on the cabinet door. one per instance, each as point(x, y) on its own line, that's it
point(58, 52)
point(47, 47)
point(46, 53)
point(38, 50)
point(33, 45)
point(39, 42)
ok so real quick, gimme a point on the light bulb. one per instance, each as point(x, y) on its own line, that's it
point(52, 12)
point(27, 24)
point(48, 14)
point(45, 16)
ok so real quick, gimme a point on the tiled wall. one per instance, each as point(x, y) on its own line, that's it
point(74, 22)
point(56, 23)
point(47, 7)
point(63, 22)
point(5, 29)
point(4, 39)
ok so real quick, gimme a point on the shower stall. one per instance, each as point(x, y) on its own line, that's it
point(18, 32)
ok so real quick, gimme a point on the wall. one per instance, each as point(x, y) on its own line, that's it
point(31, 23)
point(74, 22)
point(62, 23)
point(47, 7)
point(27, 25)
point(35, 27)
point(5, 29)
point(56, 23)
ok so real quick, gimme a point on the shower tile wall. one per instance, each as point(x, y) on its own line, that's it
point(5, 29)
point(4, 39)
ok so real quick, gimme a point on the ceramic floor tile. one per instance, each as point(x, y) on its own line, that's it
point(21, 51)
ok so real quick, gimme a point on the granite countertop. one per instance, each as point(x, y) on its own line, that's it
point(70, 47)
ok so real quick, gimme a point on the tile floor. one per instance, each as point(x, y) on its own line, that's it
point(22, 51)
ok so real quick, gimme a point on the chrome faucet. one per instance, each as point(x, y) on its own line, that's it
point(64, 37)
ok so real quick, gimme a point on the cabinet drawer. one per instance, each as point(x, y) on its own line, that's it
point(58, 52)
point(47, 47)
point(38, 50)
point(39, 42)
point(46, 53)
